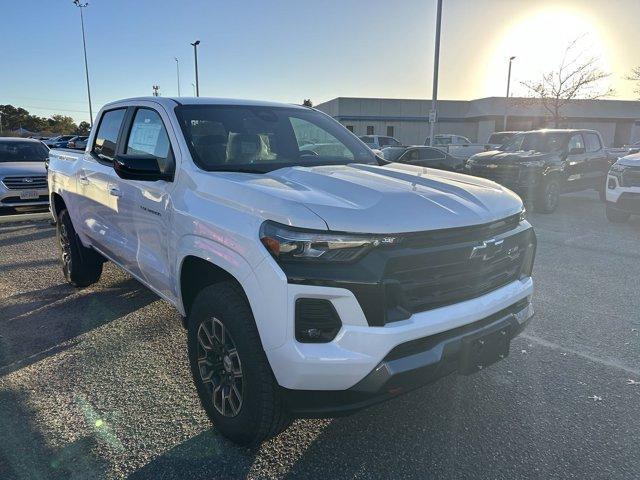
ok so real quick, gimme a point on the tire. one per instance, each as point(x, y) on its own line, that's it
point(253, 409)
point(548, 196)
point(616, 216)
point(81, 266)
point(602, 192)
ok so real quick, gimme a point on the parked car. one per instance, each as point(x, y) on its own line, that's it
point(60, 141)
point(23, 178)
point(623, 189)
point(214, 205)
point(378, 142)
point(78, 142)
point(619, 152)
point(497, 139)
point(456, 145)
point(542, 164)
point(424, 157)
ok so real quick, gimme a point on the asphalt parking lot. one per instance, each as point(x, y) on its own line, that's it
point(94, 383)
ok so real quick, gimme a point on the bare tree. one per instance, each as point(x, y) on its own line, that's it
point(307, 102)
point(634, 76)
point(577, 76)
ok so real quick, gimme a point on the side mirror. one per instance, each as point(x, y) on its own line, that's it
point(577, 151)
point(141, 167)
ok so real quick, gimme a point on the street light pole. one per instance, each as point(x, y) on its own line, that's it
point(86, 65)
point(195, 55)
point(506, 100)
point(178, 73)
point(436, 63)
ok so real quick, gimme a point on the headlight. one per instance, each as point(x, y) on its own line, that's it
point(523, 214)
point(617, 170)
point(292, 244)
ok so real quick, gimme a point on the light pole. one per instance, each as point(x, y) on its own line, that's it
point(436, 63)
point(195, 55)
point(86, 66)
point(177, 73)
point(506, 100)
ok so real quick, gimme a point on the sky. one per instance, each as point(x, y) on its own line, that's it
point(289, 50)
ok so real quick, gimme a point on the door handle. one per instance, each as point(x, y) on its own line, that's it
point(114, 192)
point(84, 180)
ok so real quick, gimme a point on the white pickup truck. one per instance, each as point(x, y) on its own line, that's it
point(312, 283)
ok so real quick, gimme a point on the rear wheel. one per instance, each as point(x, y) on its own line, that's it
point(548, 196)
point(81, 266)
point(616, 216)
point(233, 378)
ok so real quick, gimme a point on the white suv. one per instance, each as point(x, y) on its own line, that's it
point(314, 281)
point(623, 189)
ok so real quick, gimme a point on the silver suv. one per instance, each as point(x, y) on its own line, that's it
point(23, 176)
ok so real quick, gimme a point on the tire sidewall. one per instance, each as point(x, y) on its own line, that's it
point(545, 205)
point(243, 426)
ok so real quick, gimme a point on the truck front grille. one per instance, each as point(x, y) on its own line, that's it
point(631, 177)
point(25, 182)
point(502, 174)
point(454, 273)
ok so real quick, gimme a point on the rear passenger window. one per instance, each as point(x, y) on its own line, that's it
point(107, 136)
point(148, 135)
point(593, 142)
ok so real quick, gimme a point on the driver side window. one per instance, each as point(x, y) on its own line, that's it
point(576, 142)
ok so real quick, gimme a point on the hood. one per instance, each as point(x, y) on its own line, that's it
point(498, 156)
point(630, 160)
point(22, 168)
point(371, 199)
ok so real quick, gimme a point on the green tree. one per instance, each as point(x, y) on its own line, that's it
point(83, 128)
point(62, 124)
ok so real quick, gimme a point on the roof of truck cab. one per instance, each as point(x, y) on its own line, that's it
point(171, 102)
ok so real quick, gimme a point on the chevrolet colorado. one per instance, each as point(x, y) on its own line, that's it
point(542, 164)
point(623, 189)
point(313, 282)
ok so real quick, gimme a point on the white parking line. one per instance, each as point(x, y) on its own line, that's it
point(603, 361)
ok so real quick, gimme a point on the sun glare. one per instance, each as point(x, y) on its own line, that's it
point(538, 41)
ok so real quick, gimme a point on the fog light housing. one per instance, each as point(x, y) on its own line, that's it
point(316, 320)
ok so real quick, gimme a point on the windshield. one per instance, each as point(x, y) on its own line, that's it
point(499, 138)
point(543, 142)
point(261, 139)
point(392, 153)
point(16, 151)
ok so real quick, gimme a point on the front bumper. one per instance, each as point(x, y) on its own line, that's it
point(359, 348)
point(625, 199)
point(411, 365)
point(11, 198)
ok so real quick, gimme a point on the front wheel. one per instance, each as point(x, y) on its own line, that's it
point(231, 372)
point(81, 266)
point(616, 216)
point(548, 196)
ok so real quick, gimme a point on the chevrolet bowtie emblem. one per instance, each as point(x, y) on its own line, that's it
point(487, 249)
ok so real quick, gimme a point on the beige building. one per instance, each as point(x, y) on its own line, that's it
point(407, 120)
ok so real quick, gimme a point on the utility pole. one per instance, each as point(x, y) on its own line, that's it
point(155, 90)
point(178, 73)
point(433, 114)
point(195, 55)
point(86, 66)
point(506, 99)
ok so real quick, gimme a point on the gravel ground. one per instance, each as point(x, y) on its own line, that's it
point(94, 383)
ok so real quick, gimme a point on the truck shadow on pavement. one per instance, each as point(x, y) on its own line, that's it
point(39, 323)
